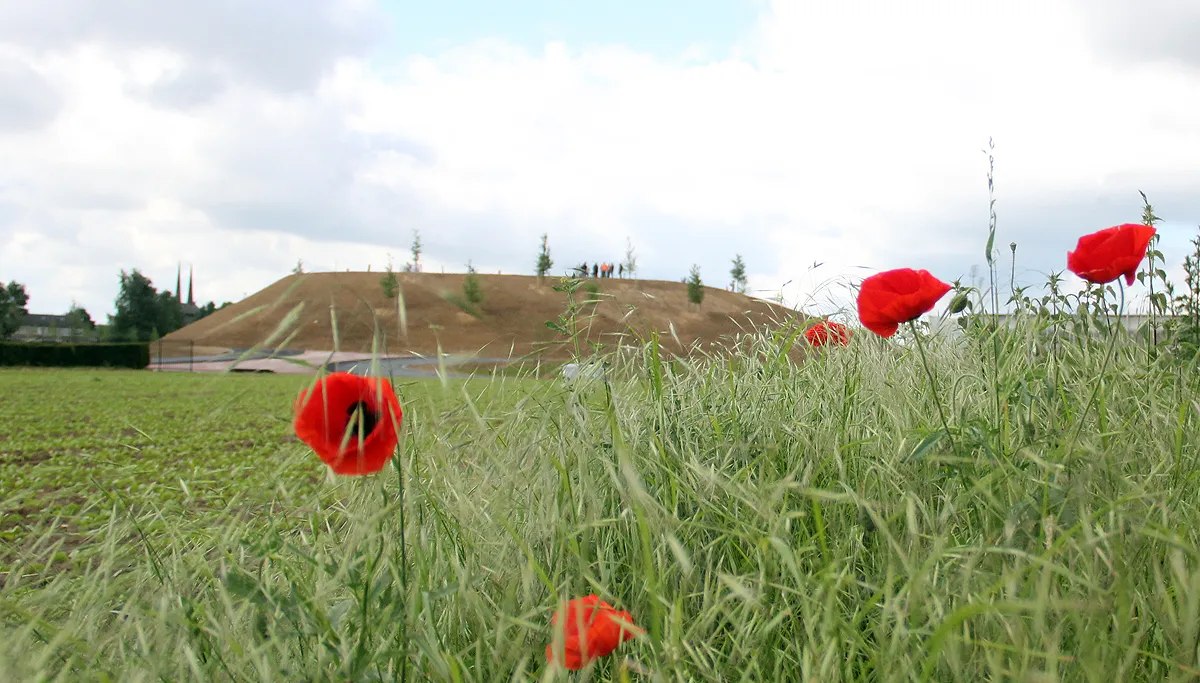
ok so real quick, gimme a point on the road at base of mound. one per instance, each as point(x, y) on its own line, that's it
point(308, 362)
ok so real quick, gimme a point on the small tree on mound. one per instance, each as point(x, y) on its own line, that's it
point(630, 258)
point(414, 266)
point(695, 286)
point(544, 262)
point(471, 289)
point(388, 282)
point(738, 273)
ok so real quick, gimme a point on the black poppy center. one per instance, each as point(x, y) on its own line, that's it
point(362, 419)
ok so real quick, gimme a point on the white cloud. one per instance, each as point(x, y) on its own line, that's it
point(229, 264)
point(848, 133)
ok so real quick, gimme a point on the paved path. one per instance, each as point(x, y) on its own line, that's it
point(233, 355)
point(307, 363)
point(409, 366)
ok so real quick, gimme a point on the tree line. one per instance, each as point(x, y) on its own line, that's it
point(142, 312)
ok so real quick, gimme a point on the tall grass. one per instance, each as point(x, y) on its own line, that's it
point(762, 519)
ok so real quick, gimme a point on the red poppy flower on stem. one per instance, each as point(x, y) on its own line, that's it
point(350, 422)
point(590, 629)
point(828, 332)
point(888, 299)
point(1107, 254)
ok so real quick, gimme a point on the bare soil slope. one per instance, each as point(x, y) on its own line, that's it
point(512, 321)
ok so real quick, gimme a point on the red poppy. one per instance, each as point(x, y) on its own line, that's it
point(592, 629)
point(888, 299)
point(827, 332)
point(1106, 255)
point(350, 422)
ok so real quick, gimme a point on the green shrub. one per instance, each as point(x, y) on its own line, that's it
point(471, 289)
point(41, 354)
point(593, 293)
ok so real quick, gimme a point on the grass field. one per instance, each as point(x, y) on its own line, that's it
point(175, 450)
point(78, 443)
point(763, 520)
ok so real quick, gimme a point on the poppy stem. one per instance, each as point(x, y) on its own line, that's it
point(397, 461)
point(933, 385)
point(1112, 344)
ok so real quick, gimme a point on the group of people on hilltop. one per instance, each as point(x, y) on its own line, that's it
point(601, 270)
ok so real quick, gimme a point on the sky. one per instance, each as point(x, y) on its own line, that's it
point(821, 141)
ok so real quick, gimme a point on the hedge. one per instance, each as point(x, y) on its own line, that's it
point(42, 354)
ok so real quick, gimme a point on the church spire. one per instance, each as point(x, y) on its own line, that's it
point(178, 283)
point(191, 273)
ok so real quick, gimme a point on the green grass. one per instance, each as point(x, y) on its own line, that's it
point(762, 520)
point(192, 449)
point(76, 443)
point(544, 369)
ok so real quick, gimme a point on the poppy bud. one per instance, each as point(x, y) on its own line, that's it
point(959, 302)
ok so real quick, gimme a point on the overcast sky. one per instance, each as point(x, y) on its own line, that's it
point(240, 136)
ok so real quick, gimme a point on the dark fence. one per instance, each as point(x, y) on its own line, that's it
point(173, 355)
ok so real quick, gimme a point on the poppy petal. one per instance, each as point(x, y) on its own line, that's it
point(590, 628)
point(1105, 255)
point(340, 409)
point(888, 299)
point(827, 332)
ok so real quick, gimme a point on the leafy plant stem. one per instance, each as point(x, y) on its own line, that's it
point(933, 386)
point(1112, 344)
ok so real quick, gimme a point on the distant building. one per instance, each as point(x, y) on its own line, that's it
point(46, 327)
point(1135, 324)
point(191, 312)
point(1132, 322)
